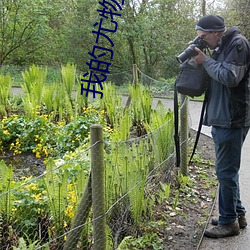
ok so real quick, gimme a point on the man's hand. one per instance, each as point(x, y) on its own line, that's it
point(200, 58)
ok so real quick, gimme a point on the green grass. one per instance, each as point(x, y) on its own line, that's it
point(53, 73)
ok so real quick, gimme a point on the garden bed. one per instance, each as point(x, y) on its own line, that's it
point(185, 226)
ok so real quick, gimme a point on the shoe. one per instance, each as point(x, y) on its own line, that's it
point(221, 231)
point(241, 219)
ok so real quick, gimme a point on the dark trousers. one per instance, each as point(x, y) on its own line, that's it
point(228, 145)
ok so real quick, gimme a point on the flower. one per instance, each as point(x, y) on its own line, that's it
point(38, 155)
point(69, 211)
point(6, 132)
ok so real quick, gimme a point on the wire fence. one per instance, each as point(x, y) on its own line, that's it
point(55, 210)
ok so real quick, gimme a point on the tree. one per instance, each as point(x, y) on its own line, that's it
point(237, 12)
point(21, 21)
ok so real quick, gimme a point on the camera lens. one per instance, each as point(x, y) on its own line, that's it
point(190, 51)
point(187, 53)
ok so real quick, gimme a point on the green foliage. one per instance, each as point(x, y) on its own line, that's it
point(128, 161)
point(113, 108)
point(30, 206)
point(57, 188)
point(30, 245)
point(48, 98)
point(81, 100)
point(147, 241)
point(43, 137)
point(148, 34)
point(5, 89)
point(68, 74)
point(161, 126)
point(126, 172)
point(33, 86)
point(6, 184)
point(141, 104)
point(164, 191)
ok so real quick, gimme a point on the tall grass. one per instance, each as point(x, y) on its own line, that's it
point(68, 75)
point(5, 90)
point(6, 197)
point(161, 128)
point(33, 85)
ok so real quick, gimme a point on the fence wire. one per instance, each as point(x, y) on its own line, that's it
point(40, 211)
point(44, 210)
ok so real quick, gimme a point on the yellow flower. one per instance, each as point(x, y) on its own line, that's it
point(6, 132)
point(69, 211)
point(38, 155)
point(37, 196)
point(31, 186)
point(16, 152)
point(73, 199)
point(45, 151)
point(14, 209)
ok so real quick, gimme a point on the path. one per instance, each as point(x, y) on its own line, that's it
point(241, 242)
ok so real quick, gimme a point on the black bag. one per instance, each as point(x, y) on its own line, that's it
point(192, 80)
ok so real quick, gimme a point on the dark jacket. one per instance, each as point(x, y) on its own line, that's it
point(229, 90)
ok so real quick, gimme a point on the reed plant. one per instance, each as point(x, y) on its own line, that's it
point(126, 172)
point(81, 101)
point(56, 184)
point(5, 90)
point(6, 184)
point(68, 75)
point(141, 105)
point(111, 103)
point(56, 187)
point(60, 102)
point(161, 130)
point(33, 86)
point(48, 97)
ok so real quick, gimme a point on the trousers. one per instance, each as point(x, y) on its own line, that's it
point(228, 146)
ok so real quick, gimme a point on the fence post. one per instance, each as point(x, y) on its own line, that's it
point(135, 74)
point(184, 135)
point(80, 218)
point(98, 195)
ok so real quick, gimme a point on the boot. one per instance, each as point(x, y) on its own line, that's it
point(241, 219)
point(221, 231)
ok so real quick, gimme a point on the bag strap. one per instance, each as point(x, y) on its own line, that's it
point(199, 127)
point(176, 126)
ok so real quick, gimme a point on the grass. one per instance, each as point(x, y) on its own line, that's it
point(53, 74)
point(162, 88)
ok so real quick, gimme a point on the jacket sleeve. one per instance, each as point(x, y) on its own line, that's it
point(234, 66)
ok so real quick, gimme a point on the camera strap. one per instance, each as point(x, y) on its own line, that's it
point(176, 126)
point(199, 127)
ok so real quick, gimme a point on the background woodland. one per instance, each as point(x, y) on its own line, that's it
point(150, 33)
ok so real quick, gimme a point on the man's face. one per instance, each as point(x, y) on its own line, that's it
point(211, 38)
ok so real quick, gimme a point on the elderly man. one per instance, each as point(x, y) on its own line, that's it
point(228, 112)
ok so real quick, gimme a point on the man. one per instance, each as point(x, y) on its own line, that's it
point(228, 112)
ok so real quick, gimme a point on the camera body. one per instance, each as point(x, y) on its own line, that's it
point(190, 51)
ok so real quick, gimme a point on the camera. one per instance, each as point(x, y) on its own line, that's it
point(190, 51)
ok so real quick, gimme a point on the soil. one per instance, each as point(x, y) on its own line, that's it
point(25, 164)
point(186, 223)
